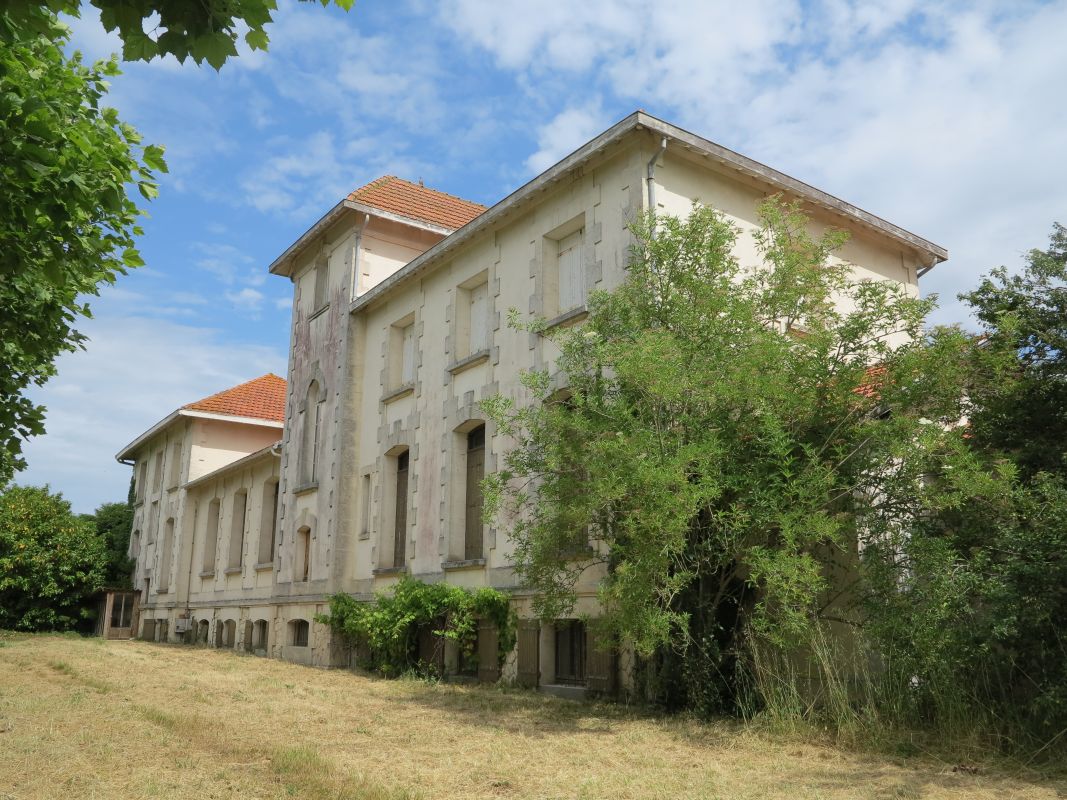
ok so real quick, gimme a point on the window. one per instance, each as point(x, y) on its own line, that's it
point(472, 318)
point(312, 424)
point(364, 510)
point(260, 634)
point(321, 287)
point(475, 471)
point(570, 652)
point(157, 471)
point(268, 523)
point(211, 536)
point(202, 631)
point(174, 465)
point(302, 565)
point(237, 529)
point(298, 633)
point(400, 515)
point(142, 480)
point(401, 365)
point(229, 633)
point(571, 271)
point(167, 545)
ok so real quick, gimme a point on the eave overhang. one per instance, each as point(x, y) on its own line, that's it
point(930, 253)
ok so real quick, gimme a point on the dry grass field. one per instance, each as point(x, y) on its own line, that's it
point(84, 718)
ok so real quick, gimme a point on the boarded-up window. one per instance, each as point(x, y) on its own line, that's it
point(229, 634)
point(479, 318)
point(570, 652)
point(571, 272)
point(472, 535)
point(142, 480)
point(268, 523)
point(237, 529)
point(321, 284)
point(312, 431)
point(529, 653)
point(174, 465)
point(163, 582)
point(157, 470)
point(211, 536)
point(407, 355)
point(364, 509)
point(303, 554)
point(400, 519)
point(488, 651)
point(260, 635)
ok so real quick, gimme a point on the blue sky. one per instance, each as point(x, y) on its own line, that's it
point(943, 117)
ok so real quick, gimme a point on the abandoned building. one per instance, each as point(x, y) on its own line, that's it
point(256, 504)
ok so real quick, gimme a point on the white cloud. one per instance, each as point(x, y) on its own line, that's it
point(941, 117)
point(133, 373)
point(248, 300)
point(567, 131)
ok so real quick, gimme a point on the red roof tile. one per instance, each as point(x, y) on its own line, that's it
point(412, 200)
point(262, 398)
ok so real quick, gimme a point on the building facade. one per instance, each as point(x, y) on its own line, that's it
point(400, 300)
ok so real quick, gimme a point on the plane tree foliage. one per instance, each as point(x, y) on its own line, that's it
point(205, 30)
point(71, 170)
point(723, 442)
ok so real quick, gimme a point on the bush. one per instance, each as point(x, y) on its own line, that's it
point(388, 628)
point(51, 562)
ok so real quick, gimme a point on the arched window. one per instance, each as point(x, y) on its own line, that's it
point(311, 432)
point(229, 635)
point(302, 561)
point(298, 633)
point(202, 631)
point(260, 637)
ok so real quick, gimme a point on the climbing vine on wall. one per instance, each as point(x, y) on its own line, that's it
point(385, 631)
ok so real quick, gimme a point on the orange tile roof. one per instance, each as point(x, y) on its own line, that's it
point(415, 201)
point(262, 398)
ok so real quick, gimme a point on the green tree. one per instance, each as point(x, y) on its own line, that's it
point(113, 523)
point(206, 30)
point(725, 435)
point(67, 226)
point(1023, 409)
point(51, 562)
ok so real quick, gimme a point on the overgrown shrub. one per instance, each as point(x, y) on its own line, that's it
point(386, 630)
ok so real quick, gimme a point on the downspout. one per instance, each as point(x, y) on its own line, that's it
point(650, 180)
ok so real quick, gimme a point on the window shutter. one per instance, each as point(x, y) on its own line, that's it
point(248, 636)
point(599, 665)
point(529, 635)
point(488, 657)
point(479, 319)
point(401, 518)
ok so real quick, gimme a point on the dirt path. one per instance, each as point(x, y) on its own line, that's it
point(84, 718)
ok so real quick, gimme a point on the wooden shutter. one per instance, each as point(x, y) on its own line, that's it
point(148, 630)
point(472, 534)
point(401, 518)
point(599, 665)
point(248, 636)
point(488, 655)
point(529, 635)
